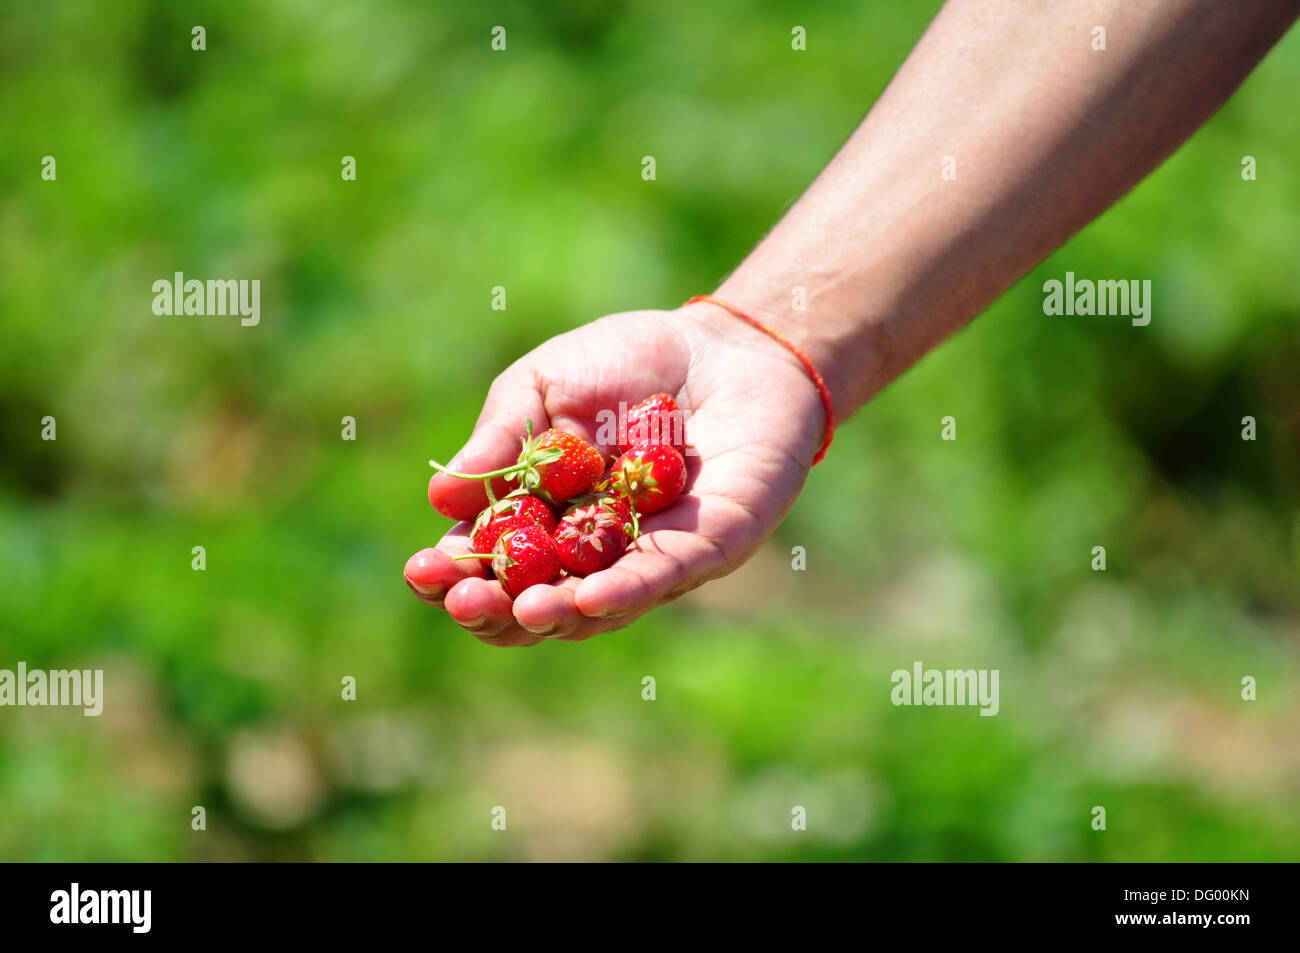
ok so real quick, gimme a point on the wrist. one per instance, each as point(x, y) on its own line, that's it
point(815, 327)
point(786, 350)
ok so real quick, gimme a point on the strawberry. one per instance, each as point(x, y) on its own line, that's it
point(651, 478)
point(655, 421)
point(590, 537)
point(523, 557)
point(513, 512)
point(555, 465)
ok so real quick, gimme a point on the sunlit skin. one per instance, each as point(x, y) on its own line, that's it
point(878, 262)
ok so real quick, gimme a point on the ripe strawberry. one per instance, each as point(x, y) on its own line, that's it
point(510, 513)
point(650, 477)
point(525, 557)
point(592, 536)
point(555, 465)
point(655, 421)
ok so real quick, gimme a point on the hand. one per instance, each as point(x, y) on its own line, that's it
point(751, 414)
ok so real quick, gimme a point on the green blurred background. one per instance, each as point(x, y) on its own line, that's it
point(1118, 688)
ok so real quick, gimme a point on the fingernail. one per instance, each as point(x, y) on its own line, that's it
point(425, 590)
point(474, 623)
point(542, 630)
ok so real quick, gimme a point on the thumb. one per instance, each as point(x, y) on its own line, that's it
point(493, 444)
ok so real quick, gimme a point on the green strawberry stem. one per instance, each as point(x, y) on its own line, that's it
point(504, 471)
point(525, 469)
point(508, 561)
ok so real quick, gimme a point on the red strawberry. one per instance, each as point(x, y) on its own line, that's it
point(557, 465)
point(554, 465)
point(655, 421)
point(591, 537)
point(525, 557)
point(510, 513)
point(650, 477)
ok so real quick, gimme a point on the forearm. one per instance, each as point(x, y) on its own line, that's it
point(1043, 134)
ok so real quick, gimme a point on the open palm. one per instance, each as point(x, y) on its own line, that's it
point(753, 419)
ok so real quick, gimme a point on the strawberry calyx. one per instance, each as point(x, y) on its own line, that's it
point(531, 456)
point(631, 480)
point(603, 495)
point(635, 477)
point(495, 507)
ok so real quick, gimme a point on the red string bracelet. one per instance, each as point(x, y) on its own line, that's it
point(793, 349)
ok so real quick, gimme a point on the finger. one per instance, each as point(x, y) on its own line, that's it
point(482, 608)
point(480, 605)
point(492, 446)
point(662, 565)
point(550, 611)
point(512, 399)
point(431, 572)
point(511, 637)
